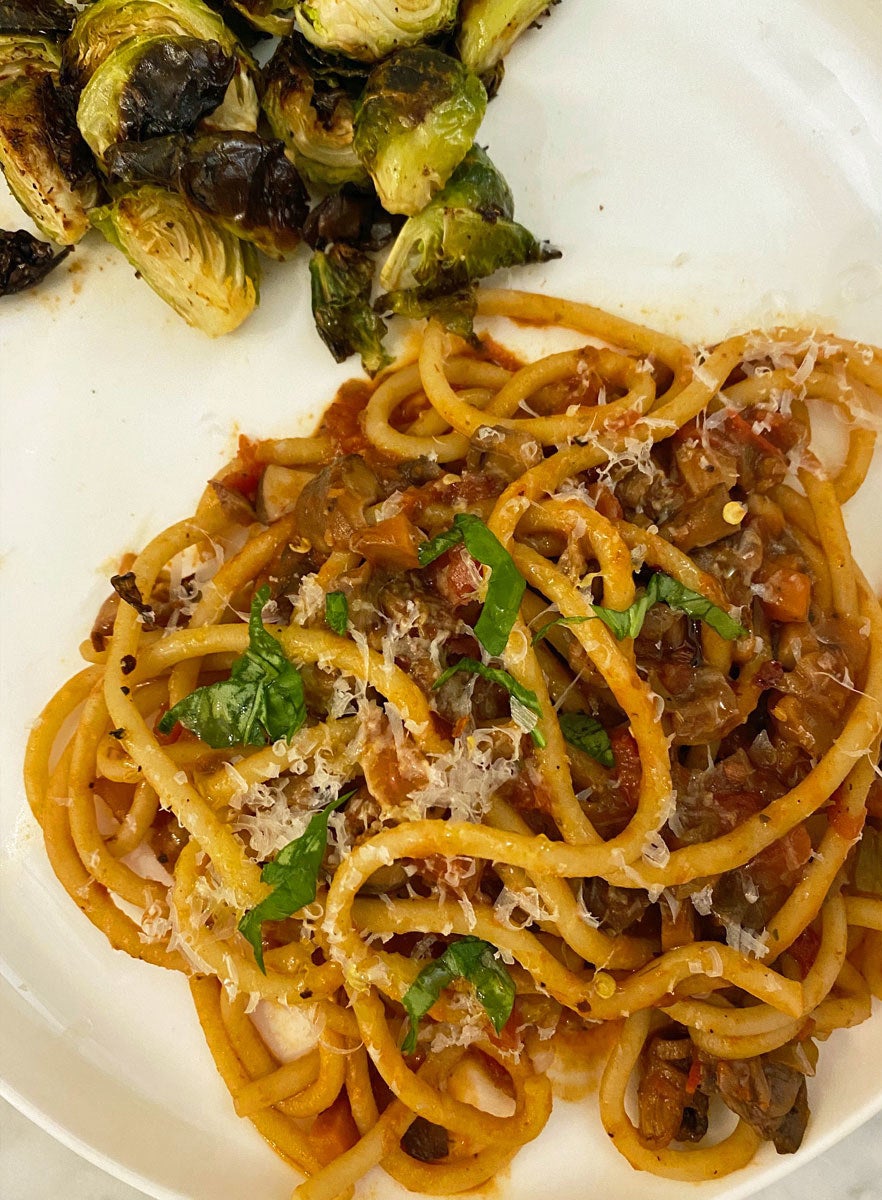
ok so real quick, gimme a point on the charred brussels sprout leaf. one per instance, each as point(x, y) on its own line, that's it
point(341, 304)
point(36, 16)
point(489, 28)
point(351, 216)
point(25, 261)
point(205, 273)
point(415, 123)
point(270, 16)
point(243, 182)
point(463, 234)
point(34, 139)
point(309, 102)
point(455, 310)
point(369, 30)
point(105, 25)
point(151, 87)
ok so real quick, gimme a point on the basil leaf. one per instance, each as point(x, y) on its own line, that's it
point(506, 584)
point(470, 958)
point(337, 611)
point(543, 630)
point(293, 873)
point(868, 863)
point(528, 699)
point(675, 595)
point(586, 733)
point(261, 701)
point(629, 621)
point(438, 545)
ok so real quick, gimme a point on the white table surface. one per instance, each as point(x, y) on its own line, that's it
point(35, 1167)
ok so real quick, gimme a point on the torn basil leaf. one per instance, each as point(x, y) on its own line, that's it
point(470, 958)
point(527, 699)
point(586, 733)
point(543, 630)
point(293, 876)
point(261, 701)
point(627, 623)
point(506, 584)
point(337, 611)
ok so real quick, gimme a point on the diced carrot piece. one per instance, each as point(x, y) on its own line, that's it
point(787, 595)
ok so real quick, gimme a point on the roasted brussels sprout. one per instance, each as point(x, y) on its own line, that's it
point(25, 261)
point(489, 28)
point(39, 155)
point(415, 122)
point(105, 25)
point(206, 274)
point(270, 16)
point(341, 304)
point(309, 103)
point(370, 29)
point(463, 234)
point(50, 17)
point(149, 87)
point(352, 216)
point(18, 51)
point(241, 181)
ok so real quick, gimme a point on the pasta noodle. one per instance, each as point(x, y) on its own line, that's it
point(558, 705)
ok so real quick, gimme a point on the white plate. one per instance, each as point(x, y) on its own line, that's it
point(703, 166)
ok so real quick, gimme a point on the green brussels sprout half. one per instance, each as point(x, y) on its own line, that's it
point(309, 104)
point(341, 279)
point(415, 122)
point(208, 276)
point(463, 234)
point(34, 151)
point(150, 87)
point(106, 24)
point(18, 51)
point(368, 30)
point(489, 28)
point(271, 16)
point(243, 182)
point(51, 17)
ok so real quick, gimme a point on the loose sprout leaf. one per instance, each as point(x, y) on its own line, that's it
point(505, 587)
point(517, 691)
point(337, 611)
point(544, 629)
point(25, 260)
point(628, 622)
point(341, 279)
point(472, 959)
point(293, 876)
point(868, 862)
point(586, 733)
point(261, 701)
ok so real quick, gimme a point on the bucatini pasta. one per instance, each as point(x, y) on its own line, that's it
point(520, 703)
